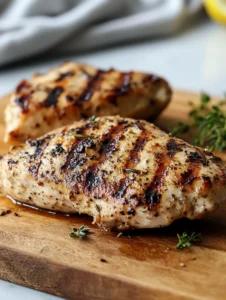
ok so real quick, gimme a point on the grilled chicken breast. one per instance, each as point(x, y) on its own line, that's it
point(72, 92)
point(125, 173)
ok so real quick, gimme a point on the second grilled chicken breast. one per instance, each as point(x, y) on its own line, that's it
point(72, 92)
point(125, 173)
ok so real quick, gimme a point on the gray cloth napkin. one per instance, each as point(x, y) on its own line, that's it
point(29, 27)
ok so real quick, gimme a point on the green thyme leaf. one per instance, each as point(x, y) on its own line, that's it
point(212, 130)
point(92, 119)
point(97, 208)
point(205, 99)
point(81, 232)
point(81, 136)
point(186, 240)
point(207, 124)
point(179, 129)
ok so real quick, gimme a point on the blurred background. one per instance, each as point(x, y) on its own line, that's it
point(176, 39)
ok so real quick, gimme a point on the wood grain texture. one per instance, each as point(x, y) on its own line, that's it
point(37, 251)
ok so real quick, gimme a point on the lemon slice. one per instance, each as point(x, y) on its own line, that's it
point(216, 9)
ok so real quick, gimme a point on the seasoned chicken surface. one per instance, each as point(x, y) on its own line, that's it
point(125, 173)
point(72, 92)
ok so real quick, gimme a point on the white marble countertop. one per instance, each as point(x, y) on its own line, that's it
point(194, 60)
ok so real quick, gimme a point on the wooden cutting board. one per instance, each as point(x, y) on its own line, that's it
point(36, 250)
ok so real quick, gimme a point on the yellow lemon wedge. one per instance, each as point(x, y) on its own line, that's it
point(216, 9)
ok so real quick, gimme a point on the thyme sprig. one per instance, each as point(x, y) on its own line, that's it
point(132, 171)
point(81, 136)
point(185, 240)
point(97, 208)
point(92, 119)
point(80, 232)
point(207, 123)
point(179, 129)
point(212, 130)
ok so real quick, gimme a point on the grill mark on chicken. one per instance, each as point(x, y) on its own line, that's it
point(40, 146)
point(124, 81)
point(197, 157)
point(151, 78)
point(187, 178)
point(122, 186)
point(108, 146)
point(23, 85)
point(110, 141)
point(73, 149)
point(39, 142)
point(207, 182)
point(133, 158)
point(23, 102)
point(172, 147)
point(91, 177)
point(77, 158)
point(134, 154)
point(123, 86)
point(91, 87)
point(218, 161)
point(153, 192)
point(53, 96)
point(85, 72)
point(70, 98)
point(62, 76)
